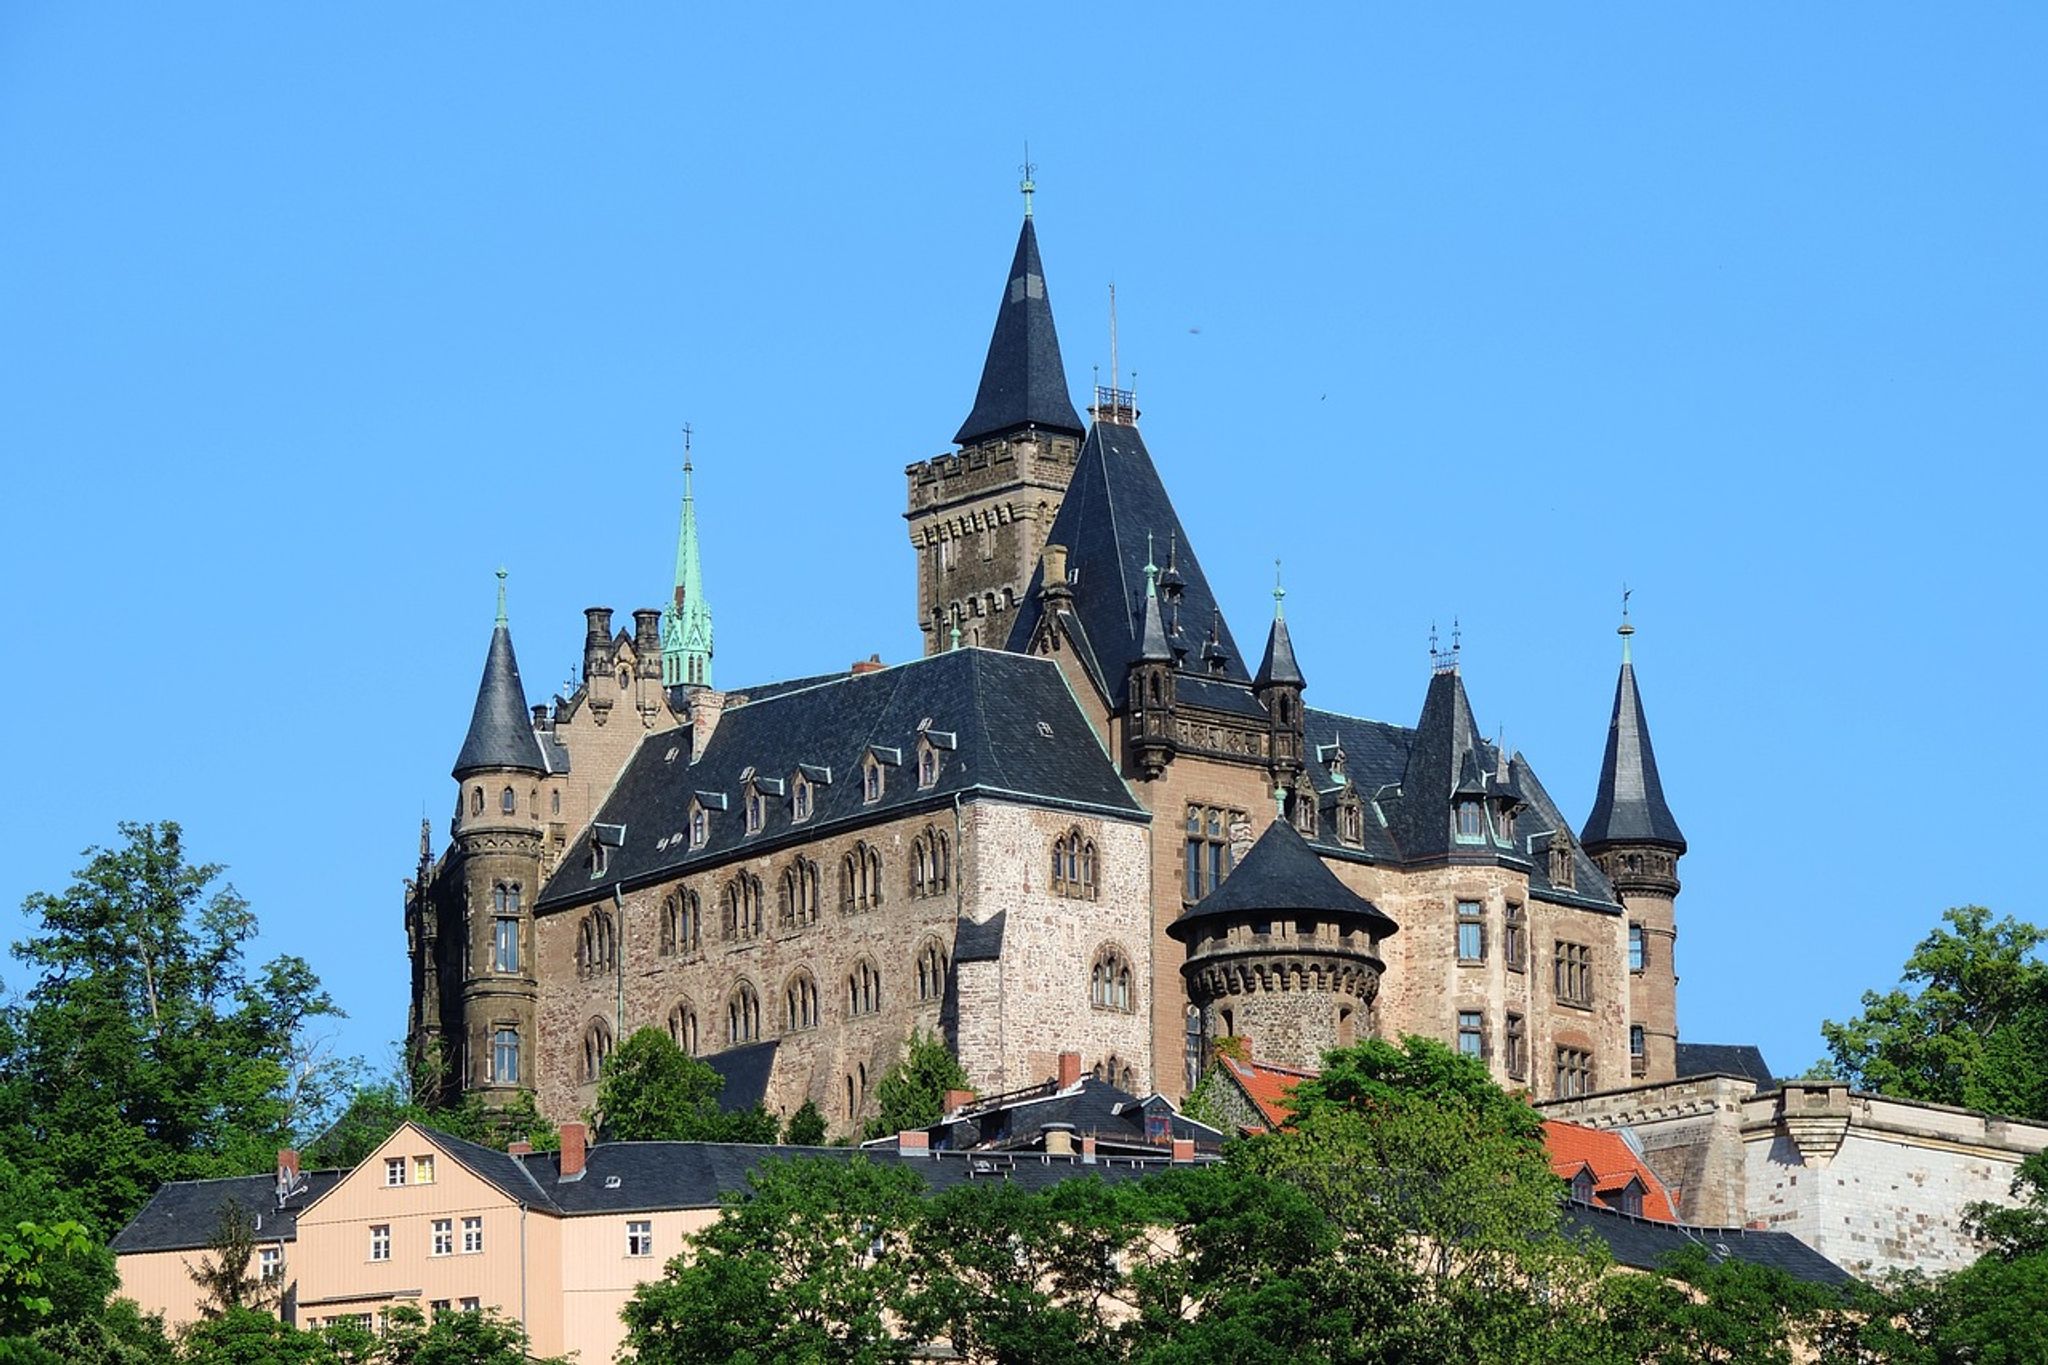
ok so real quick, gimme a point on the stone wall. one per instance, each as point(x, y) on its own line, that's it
point(978, 520)
point(1691, 1135)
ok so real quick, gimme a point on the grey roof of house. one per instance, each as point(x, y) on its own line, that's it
point(1017, 733)
point(1646, 1244)
point(500, 728)
point(1282, 875)
point(1114, 501)
point(981, 942)
point(183, 1215)
point(1023, 382)
point(1628, 805)
point(1091, 1108)
point(1725, 1059)
point(745, 1071)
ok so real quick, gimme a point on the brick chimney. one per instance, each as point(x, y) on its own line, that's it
point(1183, 1150)
point(287, 1165)
point(914, 1142)
point(575, 1139)
point(1070, 1069)
point(520, 1148)
point(872, 664)
point(1088, 1149)
point(956, 1100)
point(705, 707)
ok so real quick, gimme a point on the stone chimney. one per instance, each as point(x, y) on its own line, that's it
point(647, 642)
point(705, 707)
point(1059, 1139)
point(1053, 582)
point(575, 1139)
point(597, 641)
point(1070, 1069)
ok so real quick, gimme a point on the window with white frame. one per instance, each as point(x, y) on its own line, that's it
point(443, 1243)
point(394, 1171)
point(472, 1237)
point(423, 1170)
point(640, 1238)
point(380, 1241)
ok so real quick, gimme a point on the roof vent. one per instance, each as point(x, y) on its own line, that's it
point(670, 756)
point(611, 1182)
point(1045, 729)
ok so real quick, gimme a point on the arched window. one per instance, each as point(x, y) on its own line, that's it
point(800, 798)
point(681, 929)
point(860, 878)
point(597, 1045)
point(863, 989)
point(871, 780)
point(508, 801)
point(848, 883)
point(1088, 870)
point(942, 860)
point(920, 866)
point(476, 801)
point(555, 801)
point(797, 899)
point(874, 877)
point(596, 949)
point(740, 906)
point(1109, 981)
point(700, 827)
point(927, 765)
point(743, 1015)
point(1073, 865)
point(800, 1003)
point(931, 972)
point(682, 1027)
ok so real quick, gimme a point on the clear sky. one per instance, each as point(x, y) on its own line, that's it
point(311, 316)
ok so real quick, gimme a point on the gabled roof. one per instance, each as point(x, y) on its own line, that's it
point(1112, 1115)
point(500, 728)
point(1643, 1244)
point(1018, 735)
point(745, 1071)
point(1023, 382)
point(1114, 501)
point(184, 1215)
point(1628, 805)
point(1270, 1088)
point(1610, 1160)
point(1282, 875)
point(1725, 1059)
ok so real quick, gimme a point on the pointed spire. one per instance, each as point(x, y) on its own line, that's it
point(1628, 805)
point(686, 625)
point(1023, 381)
point(500, 727)
point(1278, 667)
point(1152, 646)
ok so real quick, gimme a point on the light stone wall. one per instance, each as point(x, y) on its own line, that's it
point(1691, 1135)
point(1877, 1184)
point(601, 727)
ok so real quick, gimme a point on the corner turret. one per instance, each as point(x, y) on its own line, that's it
point(1278, 685)
point(1152, 685)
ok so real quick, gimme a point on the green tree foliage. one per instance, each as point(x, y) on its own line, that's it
point(1968, 1025)
point(912, 1093)
point(28, 1253)
point(653, 1091)
point(806, 1266)
point(226, 1274)
point(376, 1110)
point(806, 1127)
point(142, 1049)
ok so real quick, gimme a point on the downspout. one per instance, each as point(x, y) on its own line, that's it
point(619, 969)
point(522, 1265)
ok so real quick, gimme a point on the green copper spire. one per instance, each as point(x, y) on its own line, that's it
point(686, 628)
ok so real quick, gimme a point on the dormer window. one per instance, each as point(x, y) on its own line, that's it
point(599, 858)
point(1471, 821)
point(1350, 818)
point(700, 826)
point(871, 781)
point(1507, 824)
point(800, 798)
point(757, 810)
point(1582, 1187)
point(927, 766)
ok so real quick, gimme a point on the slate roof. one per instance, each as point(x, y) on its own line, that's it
point(1113, 502)
point(1281, 873)
point(500, 728)
point(1725, 1059)
point(1443, 761)
point(1278, 665)
point(1647, 1245)
point(1092, 1108)
point(981, 942)
point(1628, 805)
point(183, 1215)
point(1016, 733)
point(1023, 382)
point(745, 1071)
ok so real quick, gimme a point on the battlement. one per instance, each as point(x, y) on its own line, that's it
point(1046, 460)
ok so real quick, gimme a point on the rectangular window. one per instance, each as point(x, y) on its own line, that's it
point(1635, 947)
point(1472, 1033)
point(1471, 822)
point(1208, 848)
point(1514, 939)
point(423, 1170)
point(1518, 1047)
point(505, 1056)
point(472, 1305)
point(640, 1239)
point(1574, 1072)
point(1471, 932)
point(472, 1236)
point(380, 1241)
point(505, 944)
point(394, 1171)
point(1638, 1061)
point(270, 1264)
point(444, 1237)
point(437, 1307)
point(1572, 967)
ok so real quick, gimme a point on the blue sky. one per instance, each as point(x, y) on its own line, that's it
point(312, 316)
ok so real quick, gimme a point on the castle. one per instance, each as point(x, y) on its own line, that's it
point(1084, 821)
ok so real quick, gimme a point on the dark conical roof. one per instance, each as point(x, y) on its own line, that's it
point(1023, 382)
point(1628, 807)
point(1282, 875)
point(1152, 646)
point(500, 729)
point(1279, 666)
point(1445, 759)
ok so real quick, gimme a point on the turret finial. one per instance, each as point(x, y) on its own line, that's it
point(1028, 186)
point(501, 595)
point(1151, 569)
point(1279, 595)
point(1625, 630)
point(956, 632)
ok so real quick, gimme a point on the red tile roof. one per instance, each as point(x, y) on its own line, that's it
point(1612, 1161)
point(1268, 1087)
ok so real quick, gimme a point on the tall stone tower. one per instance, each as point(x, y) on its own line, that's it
point(486, 944)
point(1635, 840)
point(1283, 954)
point(978, 518)
point(686, 630)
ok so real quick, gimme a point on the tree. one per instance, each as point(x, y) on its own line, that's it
point(1968, 1025)
point(28, 1251)
point(142, 1050)
point(806, 1265)
point(223, 1274)
point(244, 1336)
point(454, 1339)
point(654, 1091)
point(806, 1127)
point(912, 1093)
point(376, 1110)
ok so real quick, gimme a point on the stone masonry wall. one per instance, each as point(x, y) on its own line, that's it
point(978, 520)
point(1691, 1135)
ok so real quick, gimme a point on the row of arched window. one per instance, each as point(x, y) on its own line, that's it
point(739, 907)
point(597, 944)
point(508, 802)
point(860, 878)
point(1109, 981)
point(798, 901)
point(1073, 865)
point(931, 864)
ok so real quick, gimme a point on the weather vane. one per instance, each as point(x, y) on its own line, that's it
point(1029, 170)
